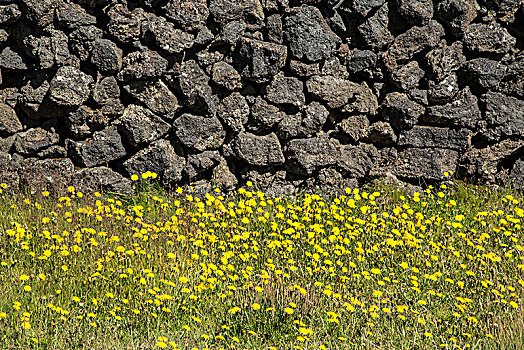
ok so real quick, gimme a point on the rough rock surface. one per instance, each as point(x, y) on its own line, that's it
point(289, 94)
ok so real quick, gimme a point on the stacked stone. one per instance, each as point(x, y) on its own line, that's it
point(284, 93)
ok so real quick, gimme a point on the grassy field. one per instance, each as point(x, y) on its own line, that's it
point(373, 269)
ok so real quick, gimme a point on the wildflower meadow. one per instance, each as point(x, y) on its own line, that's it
point(372, 269)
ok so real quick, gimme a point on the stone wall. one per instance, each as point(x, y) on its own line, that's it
point(284, 93)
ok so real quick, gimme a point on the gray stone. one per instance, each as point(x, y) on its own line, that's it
point(33, 99)
point(305, 156)
point(79, 122)
point(308, 34)
point(194, 86)
point(332, 66)
point(259, 61)
point(142, 65)
point(234, 111)
point(457, 14)
point(139, 125)
point(8, 171)
point(273, 183)
point(51, 175)
point(105, 146)
point(226, 11)
point(155, 95)
point(207, 58)
point(407, 77)
point(356, 161)
point(301, 69)
point(504, 114)
point(73, 16)
point(54, 151)
point(417, 12)
point(363, 7)
point(106, 56)
point(223, 177)
point(513, 84)
point(412, 42)
point(200, 163)
point(361, 61)
point(200, 133)
point(353, 129)
point(264, 115)
point(257, 150)
point(424, 163)
point(39, 12)
point(401, 111)
point(125, 25)
point(290, 127)
point(329, 183)
point(187, 14)
point(445, 59)
point(6, 143)
point(343, 94)
point(70, 87)
point(34, 140)
point(232, 32)
point(204, 36)
point(443, 90)
point(374, 31)
point(166, 36)
point(381, 134)
point(105, 89)
point(516, 174)
point(226, 76)
point(82, 41)
point(9, 14)
point(9, 122)
point(485, 72)
point(433, 137)
point(488, 38)
point(286, 90)
point(101, 179)
point(462, 112)
point(314, 118)
point(160, 158)
point(11, 60)
point(275, 30)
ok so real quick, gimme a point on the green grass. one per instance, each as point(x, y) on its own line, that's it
point(377, 269)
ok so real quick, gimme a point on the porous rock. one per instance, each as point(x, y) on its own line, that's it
point(234, 111)
point(305, 156)
point(258, 150)
point(155, 95)
point(100, 179)
point(105, 146)
point(139, 125)
point(70, 87)
point(198, 132)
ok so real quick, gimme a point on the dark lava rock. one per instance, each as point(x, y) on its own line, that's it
point(401, 111)
point(407, 77)
point(457, 14)
point(200, 133)
point(381, 134)
point(125, 25)
point(343, 94)
point(223, 177)
point(226, 11)
point(70, 87)
point(417, 12)
point(105, 89)
point(106, 56)
point(308, 34)
point(305, 156)
point(484, 72)
point(516, 174)
point(142, 65)
point(160, 158)
point(9, 122)
point(226, 76)
point(363, 7)
point(100, 179)
point(286, 90)
point(39, 12)
point(105, 146)
point(356, 161)
point(264, 115)
point(200, 163)
point(275, 30)
point(443, 90)
point(54, 151)
point(260, 61)
point(82, 41)
point(374, 31)
point(8, 170)
point(139, 125)
point(314, 118)
point(79, 122)
point(445, 59)
point(430, 137)
point(52, 175)
point(353, 129)
point(155, 95)
point(33, 99)
point(425, 163)
point(504, 113)
point(488, 38)
point(257, 150)
point(462, 112)
point(34, 140)
point(302, 69)
point(413, 41)
point(11, 60)
point(164, 35)
point(9, 14)
point(361, 61)
point(231, 33)
point(194, 85)
point(273, 183)
point(234, 111)
point(187, 14)
point(73, 16)
point(513, 84)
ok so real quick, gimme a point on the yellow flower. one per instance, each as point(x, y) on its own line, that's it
point(24, 278)
point(45, 193)
point(256, 306)
point(27, 288)
point(134, 177)
point(70, 189)
point(289, 310)
point(161, 344)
